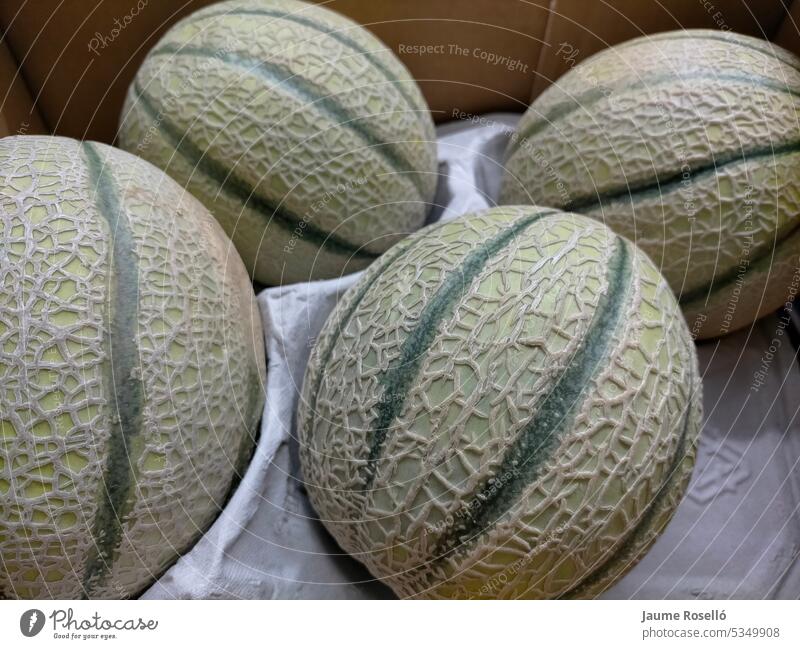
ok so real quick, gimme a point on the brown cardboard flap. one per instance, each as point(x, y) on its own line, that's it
point(579, 28)
point(789, 33)
point(17, 112)
point(80, 55)
point(468, 56)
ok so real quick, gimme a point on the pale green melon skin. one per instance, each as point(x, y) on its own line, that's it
point(197, 366)
point(606, 489)
point(619, 120)
point(325, 161)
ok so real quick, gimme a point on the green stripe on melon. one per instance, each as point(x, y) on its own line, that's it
point(121, 301)
point(617, 560)
point(302, 133)
point(239, 190)
point(527, 453)
point(512, 395)
point(344, 311)
point(397, 378)
point(308, 94)
point(123, 383)
point(689, 145)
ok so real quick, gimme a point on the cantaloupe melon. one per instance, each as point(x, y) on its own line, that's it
point(687, 143)
point(131, 369)
point(505, 405)
point(300, 131)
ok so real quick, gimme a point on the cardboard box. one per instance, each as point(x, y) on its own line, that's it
point(77, 58)
point(789, 32)
point(577, 29)
point(65, 67)
point(17, 113)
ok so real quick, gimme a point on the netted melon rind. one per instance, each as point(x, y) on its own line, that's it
point(605, 486)
point(688, 144)
point(198, 368)
point(301, 132)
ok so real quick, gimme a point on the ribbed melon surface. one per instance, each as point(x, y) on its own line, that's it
point(131, 370)
point(687, 143)
point(300, 131)
point(505, 405)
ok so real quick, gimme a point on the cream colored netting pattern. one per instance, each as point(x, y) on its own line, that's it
point(522, 321)
point(281, 125)
point(689, 145)
point(199, 365)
